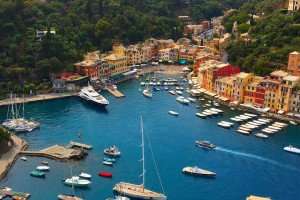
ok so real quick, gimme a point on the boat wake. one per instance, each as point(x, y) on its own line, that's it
point(256, 157)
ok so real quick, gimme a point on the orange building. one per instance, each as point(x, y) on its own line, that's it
point(294, 63)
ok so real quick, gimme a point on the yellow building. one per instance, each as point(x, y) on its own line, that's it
point(240, 83)
point(285, 92)
point(117, 60)
point(224, 87)
point(254, 93)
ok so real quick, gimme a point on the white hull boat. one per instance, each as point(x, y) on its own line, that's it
point(76, 181)
point(292, 149)
point(196, 171)
point(171, 112)
point(89, 94)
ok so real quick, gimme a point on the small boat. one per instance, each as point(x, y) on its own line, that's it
point(107, 163)
point(179, 92)
point(275, 127)
point(112, 151)
point(43, 168)
point(68, 197)
point(23, 158)
point(147, 93)
point(293, 123)
point(196, 171)
point(76, 181)
point(205, 144)
point(45, 162)
point(105, 174)
point(109, 159)
point(201, 115)
point(172, 92)
point(118, 198)
point(85, 175)
point(171, 112)
point(182, 100)
point(166, 88)
point(224, 125)
point(261, 135)
point(292, 149)
point(36, 173)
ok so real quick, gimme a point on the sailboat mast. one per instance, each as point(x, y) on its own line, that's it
point(143, 152)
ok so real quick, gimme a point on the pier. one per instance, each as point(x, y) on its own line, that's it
point(115, 92)
point(56, 152)
point(41, 97)
point(80, 145)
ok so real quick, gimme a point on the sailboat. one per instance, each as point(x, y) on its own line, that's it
point(15, 121)
point(138, 191)
point(147, 92)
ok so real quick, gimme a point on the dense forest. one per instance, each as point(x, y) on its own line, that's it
point(273, 36)
point(80, 26)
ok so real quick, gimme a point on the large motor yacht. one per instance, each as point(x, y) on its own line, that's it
point(88, 93)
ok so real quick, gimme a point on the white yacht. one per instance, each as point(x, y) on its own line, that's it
point(88, 93)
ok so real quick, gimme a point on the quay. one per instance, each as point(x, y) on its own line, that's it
point(56, 152)
point(40, 97)
point(8, 192)
point(115, 92)
point(80, 145)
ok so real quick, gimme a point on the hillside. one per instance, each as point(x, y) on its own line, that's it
point(273, 35)
point(79, 26)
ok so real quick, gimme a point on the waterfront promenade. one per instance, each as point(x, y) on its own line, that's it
point(8, 158)
point(40, 97)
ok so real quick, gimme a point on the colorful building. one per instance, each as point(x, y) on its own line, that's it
point(117, 60)
point(224, 87)
point(294, 105)
point(255, 93)
point(241, 81)
point(287, 87)
point(89, 66)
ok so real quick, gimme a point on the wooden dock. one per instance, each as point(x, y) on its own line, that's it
point(56, 152)
point(80, 145)
point(115, 92)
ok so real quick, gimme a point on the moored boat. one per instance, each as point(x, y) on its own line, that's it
point(68, 197)
point(23, 158)
point(201, 115)
point(76, 181)
point(261, 135)
point(89, 94)
point(196, 171)
point(107, 163)
point(43, 168)
point(36, 173)
point(109, 159)
point(112, 151)
point(85, 175)
point(105, 174)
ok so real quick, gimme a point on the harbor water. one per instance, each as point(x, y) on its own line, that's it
point(244, 164)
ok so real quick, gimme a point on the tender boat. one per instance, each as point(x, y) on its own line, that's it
point(182, 100)
point(147, 93)
point(89, 94)
point(193, 100)
point(244, 132)
point(68, 197)
point(179, 92)
point(85, 175)
point(112, 151)
point(39, 174)
point(293, 123)
point(196, 171)
point(43, 168)
point(76, 181)
point(205, 144)
point(107, 163)
point(171, 112)
point(261, 135)
point(105, 174)
point(292, 149)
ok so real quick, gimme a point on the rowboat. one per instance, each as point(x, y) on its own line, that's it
point(196, 171)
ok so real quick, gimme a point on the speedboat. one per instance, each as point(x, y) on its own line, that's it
point(85, 175)
point(23, 158)
point(112, 151)
point(244, 132)
point(182, 100)
point(201, 115)
point(76, 181)
point(196, 171)
point(171, 112)
point(107, 163)
point(88, 93)
point(292, 149)
point(172, 92)
point(43, 168)
point(68, 197)
point(109, 160)
point(205, 144)
point(105, 174)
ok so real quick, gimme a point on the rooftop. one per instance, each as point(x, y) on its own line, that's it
point(279, 73)
point(292, 78)
point(243, 75)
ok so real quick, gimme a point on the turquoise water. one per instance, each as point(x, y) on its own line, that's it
point(244, 164)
